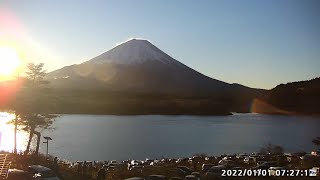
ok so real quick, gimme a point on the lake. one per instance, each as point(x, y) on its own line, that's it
point(106, 137)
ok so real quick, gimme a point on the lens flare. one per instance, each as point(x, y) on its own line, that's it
point(259, 106)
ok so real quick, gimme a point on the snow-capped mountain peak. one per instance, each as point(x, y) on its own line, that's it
point(134, 51)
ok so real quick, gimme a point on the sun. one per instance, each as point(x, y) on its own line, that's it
point(9, 61)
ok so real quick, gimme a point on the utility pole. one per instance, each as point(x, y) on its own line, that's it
point(47, 142)
point(16, 119)
point(15, 134)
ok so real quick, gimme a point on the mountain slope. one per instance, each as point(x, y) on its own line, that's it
point(297, 97)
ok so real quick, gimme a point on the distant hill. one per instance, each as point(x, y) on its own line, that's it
point(301, 97)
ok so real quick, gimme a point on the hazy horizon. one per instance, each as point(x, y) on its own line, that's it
point(254, 43)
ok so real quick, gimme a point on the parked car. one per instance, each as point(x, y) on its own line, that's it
point(196, 174)
point(185, 169)
point(182, 161)
point(249, 160)
point(238, 168)
point(291, 158)
point(113, 162)
point(211, 159)
point(260, 162)
point(215, 171)
point(229, 158)
point(176, 178)
point(206, 167)
point(135, 178)
point(272, 170)
point(176, 172)
point(266, 165)
point(136, 168)
point(156, 177)
point(42, 173)
point(17, 174)
point(191, 177)
point(226, 162)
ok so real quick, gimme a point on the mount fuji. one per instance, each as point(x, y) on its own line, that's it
point(136, 77)
point(137, 66)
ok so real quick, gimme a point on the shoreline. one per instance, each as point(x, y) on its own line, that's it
point(215, 115)
point(147, 114)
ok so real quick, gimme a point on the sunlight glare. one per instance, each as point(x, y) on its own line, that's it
point(9, 61)
point(7, 134)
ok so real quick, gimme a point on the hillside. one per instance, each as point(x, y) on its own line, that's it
point(301, 97)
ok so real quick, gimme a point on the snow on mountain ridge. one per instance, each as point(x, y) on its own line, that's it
point(135, 51)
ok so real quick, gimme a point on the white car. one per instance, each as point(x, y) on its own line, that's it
point(249, 160)
point(42, 173)
point(273, 170)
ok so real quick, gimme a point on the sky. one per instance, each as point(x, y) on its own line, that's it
point(257, 43)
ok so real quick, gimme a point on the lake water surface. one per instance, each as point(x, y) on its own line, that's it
point(105, 137)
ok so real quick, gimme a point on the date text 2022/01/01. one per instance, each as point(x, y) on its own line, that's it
point(267, 172)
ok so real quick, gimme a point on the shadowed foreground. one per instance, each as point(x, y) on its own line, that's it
point(168, 167)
